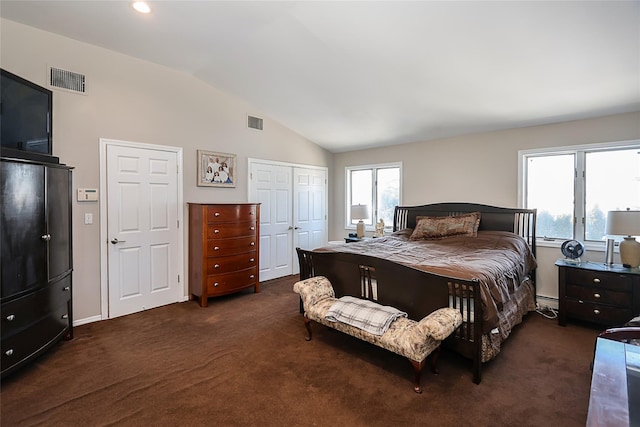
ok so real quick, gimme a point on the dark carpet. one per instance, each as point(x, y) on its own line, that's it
point(243, 360)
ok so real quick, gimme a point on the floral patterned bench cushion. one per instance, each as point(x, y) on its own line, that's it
point(406, 337)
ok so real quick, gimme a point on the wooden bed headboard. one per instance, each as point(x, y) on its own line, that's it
point(516, 220)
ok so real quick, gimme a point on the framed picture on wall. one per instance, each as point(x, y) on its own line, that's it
point(216, 169)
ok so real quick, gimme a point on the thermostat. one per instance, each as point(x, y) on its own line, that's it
point(87, 194)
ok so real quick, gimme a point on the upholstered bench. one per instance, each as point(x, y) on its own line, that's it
point(415, 340)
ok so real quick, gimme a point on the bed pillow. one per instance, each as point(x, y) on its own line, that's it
point(439, 227)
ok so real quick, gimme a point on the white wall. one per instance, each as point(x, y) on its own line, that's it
point(481, 168)
point(133, 100)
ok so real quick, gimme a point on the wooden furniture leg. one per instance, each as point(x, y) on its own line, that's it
point(417, 373)
point(434, 360)
point(307, 324)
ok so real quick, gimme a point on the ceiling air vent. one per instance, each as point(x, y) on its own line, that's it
point(67, 80)
point(254, 122)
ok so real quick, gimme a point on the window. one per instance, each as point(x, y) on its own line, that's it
point(573, 187)
point(378, 187)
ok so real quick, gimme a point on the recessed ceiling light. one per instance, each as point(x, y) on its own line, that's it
point(141, 6)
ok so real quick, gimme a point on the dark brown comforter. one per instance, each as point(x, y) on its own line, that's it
point(499, 260)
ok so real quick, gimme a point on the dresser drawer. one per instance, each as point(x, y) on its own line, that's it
point(29, 309)
point(218, 284)
point(223, 231)
point(22, 346)
point(230, 213)
point(227, 264)
point(597, 313)
point(238, 245)
point(600, 295)
point(613, 281)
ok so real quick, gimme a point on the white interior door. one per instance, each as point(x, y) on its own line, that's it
point(271, 188)
point(293, 212)
point(143, 233)
point(310, 207)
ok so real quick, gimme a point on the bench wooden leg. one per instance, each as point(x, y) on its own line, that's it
point(417, 373)
point(307, 324)
point(435, 355)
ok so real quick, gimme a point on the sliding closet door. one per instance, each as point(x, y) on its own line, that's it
point(292, 213)
point(271, 187)
point(310, 207)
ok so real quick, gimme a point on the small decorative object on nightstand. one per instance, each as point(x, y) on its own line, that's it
point(626, 223)
point(592, 292)
point(572, 250)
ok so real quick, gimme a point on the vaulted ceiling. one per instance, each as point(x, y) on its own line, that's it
point(351, 75)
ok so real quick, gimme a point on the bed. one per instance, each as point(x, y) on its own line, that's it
point(487, 263)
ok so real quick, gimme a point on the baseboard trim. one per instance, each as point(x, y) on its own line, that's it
point(87, 320)
point(545, 301)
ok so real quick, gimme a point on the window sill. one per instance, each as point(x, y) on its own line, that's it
point(589, 246)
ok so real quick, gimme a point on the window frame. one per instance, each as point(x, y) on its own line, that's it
point(579, 213)
point(374, 193)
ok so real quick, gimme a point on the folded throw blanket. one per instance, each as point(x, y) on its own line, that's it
point(363, 314)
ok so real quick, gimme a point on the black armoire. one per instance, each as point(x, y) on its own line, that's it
point(35, 234)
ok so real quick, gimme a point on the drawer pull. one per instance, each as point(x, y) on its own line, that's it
point(216, 231)
point(46, 237)
point(216, 248)
point(11, 317)
point(252, 259)
point(216, 214)
point(596, 280)
point(596, 311)
point(215, 285)
point(252, 228)
point(66, 288)
point(252, 276)
point(252, 243)
point(596, 295)
point(64, 316)
point(216, 266)
point(580, 301)
point(9, 352)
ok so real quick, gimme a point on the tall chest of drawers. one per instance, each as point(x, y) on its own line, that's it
point(596, 293)
point(224, 250)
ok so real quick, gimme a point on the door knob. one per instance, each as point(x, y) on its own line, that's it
point(115, 241)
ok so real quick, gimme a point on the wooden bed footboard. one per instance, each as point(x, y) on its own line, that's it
point(414, 291)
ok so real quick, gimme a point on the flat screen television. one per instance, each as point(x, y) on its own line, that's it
point(25, 118)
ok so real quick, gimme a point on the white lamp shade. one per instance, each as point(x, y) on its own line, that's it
point(359, 212)
point(623, 223)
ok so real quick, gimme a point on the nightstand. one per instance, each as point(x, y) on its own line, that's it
point(597, 293)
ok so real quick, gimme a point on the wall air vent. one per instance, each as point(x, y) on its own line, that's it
point(254, 122)
point(67, 80)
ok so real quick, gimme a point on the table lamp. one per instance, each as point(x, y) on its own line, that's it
point(626, 223)
point(359, 212)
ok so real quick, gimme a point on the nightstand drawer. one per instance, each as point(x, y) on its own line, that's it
point(613, 281)
point(599, 294)
point(597, 313)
